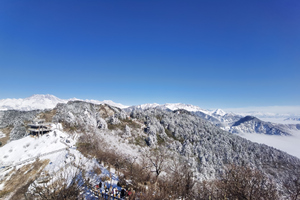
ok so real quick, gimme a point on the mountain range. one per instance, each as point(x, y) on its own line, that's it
point(231, 122)
point(206, 140)
point(186, 134)
point(40, 102)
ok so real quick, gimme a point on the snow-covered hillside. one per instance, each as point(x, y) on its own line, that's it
point(225, 120)
point(40, 102)
point(60, 158)
point(99, 130)
point(249, 127)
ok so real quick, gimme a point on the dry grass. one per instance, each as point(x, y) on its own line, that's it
point(6, 131)
point(21, 178)
point(105, 178)
point(19, 194)
point(105, 111)
point(97, 170)
point(3, 193)
point(47, 115)
point(121, 126)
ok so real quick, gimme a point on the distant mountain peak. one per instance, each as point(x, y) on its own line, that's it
point(219, 112)
point(246, 119)
point(44, 101)
point(168, 106)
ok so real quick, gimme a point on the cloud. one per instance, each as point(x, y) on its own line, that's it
point(288, 144)
point(267, 110)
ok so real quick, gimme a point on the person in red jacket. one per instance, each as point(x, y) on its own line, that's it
point(129, 192)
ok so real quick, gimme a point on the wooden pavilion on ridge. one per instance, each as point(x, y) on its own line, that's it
point(39, 127)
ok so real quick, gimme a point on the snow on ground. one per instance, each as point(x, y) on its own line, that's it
point(30, 147)
point(288, 144)
point(121, 145)
point(2, 135)
point(64, 158)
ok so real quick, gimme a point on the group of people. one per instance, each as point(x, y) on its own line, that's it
point(123, 194)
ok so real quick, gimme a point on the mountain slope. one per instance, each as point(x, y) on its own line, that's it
point(205, 147)
point(227, 121)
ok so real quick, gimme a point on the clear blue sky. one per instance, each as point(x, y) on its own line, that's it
point(207, 53)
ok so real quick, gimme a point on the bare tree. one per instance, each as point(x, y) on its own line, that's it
point(157, 158)
point(62, 186)
point(242, 182)
point(182, 180)
point(238, 182)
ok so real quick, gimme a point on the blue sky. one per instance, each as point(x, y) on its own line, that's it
point(208, 53)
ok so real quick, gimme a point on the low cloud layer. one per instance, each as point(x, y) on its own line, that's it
point(288, 144)
point(267, 111)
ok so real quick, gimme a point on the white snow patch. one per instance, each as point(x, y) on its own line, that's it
point(2, 135)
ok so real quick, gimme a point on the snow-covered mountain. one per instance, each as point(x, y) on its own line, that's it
point(34, 102)
point(41, 102)
point(234, 123)
point(205, 148)
point(168, 106)
point(219, 112)
point(250, 124)
point(225, 120)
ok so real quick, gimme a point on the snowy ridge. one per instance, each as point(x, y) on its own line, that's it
point(227, 120)
point(206, 148)
point(190, 108)
point(41, 102)
point(219, 117)
point(31, 103)
point(169, 106)
point(178, 106)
